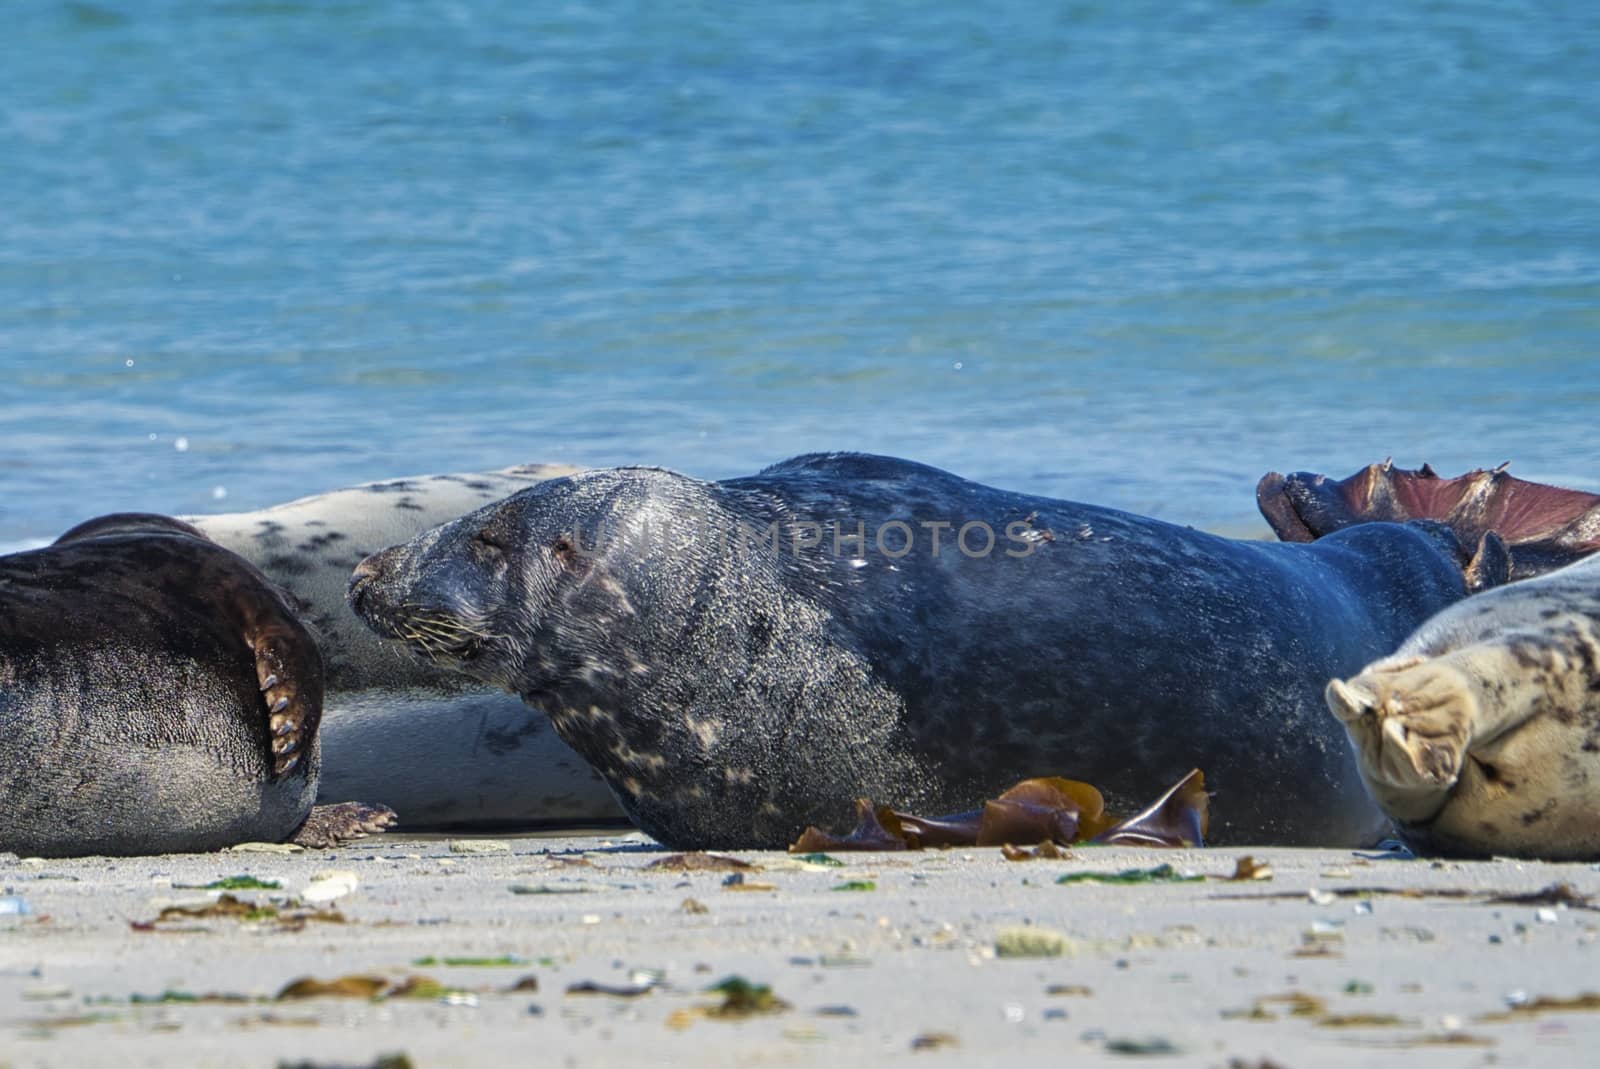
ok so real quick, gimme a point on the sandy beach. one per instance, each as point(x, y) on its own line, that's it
point(591, 951)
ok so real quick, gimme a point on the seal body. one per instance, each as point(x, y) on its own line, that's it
point(443, 750)
point(743, 658)
point(156, 695)
point(1481, 734)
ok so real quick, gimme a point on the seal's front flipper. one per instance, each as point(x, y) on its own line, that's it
point(290, 718)
point(331, 825)
point(1410, 724)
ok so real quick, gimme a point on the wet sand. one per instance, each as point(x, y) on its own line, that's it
point(887, 958)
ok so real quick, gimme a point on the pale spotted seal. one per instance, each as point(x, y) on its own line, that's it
point(467, 756)
point(743, 658)
point(157, 695)
point(1481, 734)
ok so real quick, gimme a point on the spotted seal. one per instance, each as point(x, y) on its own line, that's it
point(157, 695)
point(1481, 733)
point(742, 658)
point(471, 756)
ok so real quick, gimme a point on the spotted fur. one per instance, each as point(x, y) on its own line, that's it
point(1481, 734)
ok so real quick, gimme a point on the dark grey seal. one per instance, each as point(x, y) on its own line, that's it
point(157, 695)
point(740, 659)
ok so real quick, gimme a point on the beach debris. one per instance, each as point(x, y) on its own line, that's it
point(820, 859)
point(14, 906)
point(1387, 850)
point(46, 992)
point(836, 1011)
point(1358, 987)
point(934, 1041)
point(368, 987)
point(502, 961)
point(1069, 990)
point(1177, 818)
point(263, 848)
point(844, 959)
point(1146, 1047)
point(1588, 1001)
point(628, 990)
point(550, 889)
point(877, 828)
point(1361, 1020)
point(329, 885)
point(1044, 851)
point(855, 885)
point(525, 984)
point(1045, 809)
point(737, 882)
point(1027, 941)
point(692, 905)
point(1159, 874)
point(232, 883)
point(1445, 1039)
point(1248, 868)
point(700, 862)
point(372, 988)
point(741, 998)
point(382, 1061)
point(226, 905)
point(479, 846)
point(1293, 1003)
point(169, 997)
point(291, 916)
point(1555, 894)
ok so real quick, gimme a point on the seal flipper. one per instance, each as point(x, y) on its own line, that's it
point(1491, 565)
point(290, 720)
point(1544, 527)
point(287, 661)
point(343, 822)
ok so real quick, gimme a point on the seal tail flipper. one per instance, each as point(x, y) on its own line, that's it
point(1543, 526)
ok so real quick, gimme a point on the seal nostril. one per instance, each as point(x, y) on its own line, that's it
point(356, 592)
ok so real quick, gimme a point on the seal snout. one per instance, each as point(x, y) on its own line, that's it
point(363, 579)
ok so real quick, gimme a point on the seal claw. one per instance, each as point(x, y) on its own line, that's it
point(331, 825)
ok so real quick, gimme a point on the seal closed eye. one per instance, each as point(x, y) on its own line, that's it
point(157, 695)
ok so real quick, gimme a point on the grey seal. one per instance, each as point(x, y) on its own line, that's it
point(443, 750)
point(157, 695)
point(1481, 733)
point(742, 658)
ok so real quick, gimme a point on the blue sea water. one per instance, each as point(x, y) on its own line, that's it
point(1132, 253)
